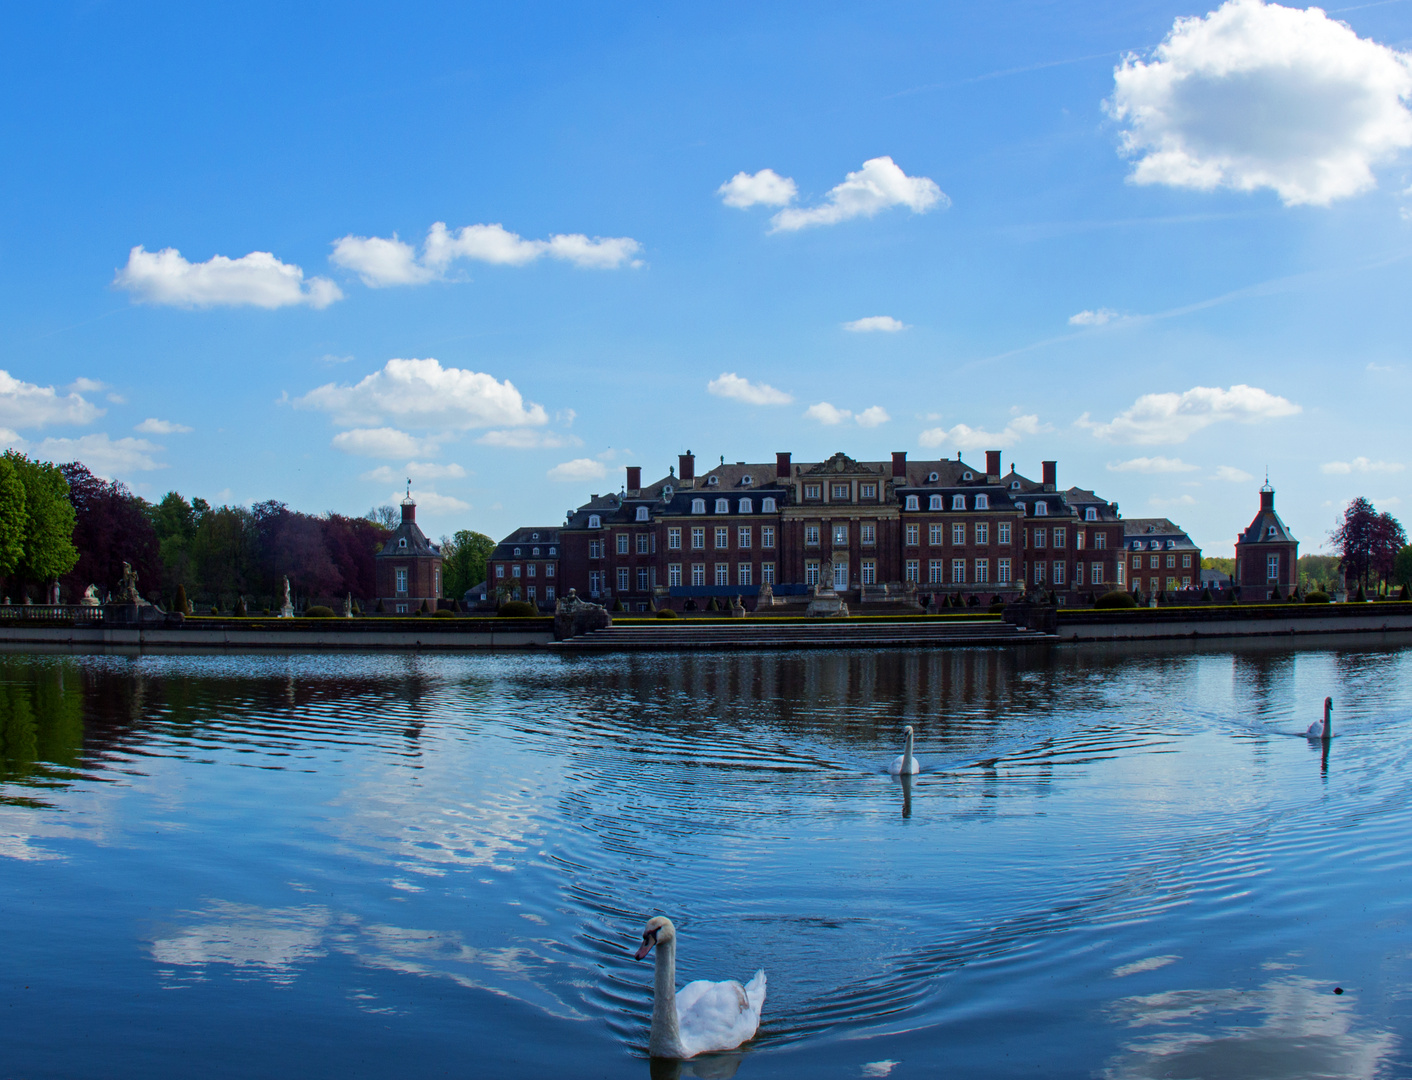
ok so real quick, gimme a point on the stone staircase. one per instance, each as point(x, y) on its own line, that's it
point(676, 635)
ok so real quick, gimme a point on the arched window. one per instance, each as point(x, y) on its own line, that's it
point(934, 503)
point(931, 478)
point(982, 502)
point(746, 480)
point(402, 543)
point(968, 476)
point(912, 502)
point(594, 521)
point(1272, 531)
point(746, 506)
point(712, 481)
point(667, 491)
point(723, 506)
point(1041, 509)
point(1014, 485)
point(1091, 514)
point(767, 505)
point(698, 506)
point(642, 513)
point(958, 502)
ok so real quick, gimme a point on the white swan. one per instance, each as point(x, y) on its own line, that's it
point(705, 1016)
point(905, 762)
point(1324, 729)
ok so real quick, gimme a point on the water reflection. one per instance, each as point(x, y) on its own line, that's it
point(1289, 1028)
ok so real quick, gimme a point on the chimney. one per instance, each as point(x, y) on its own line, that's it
point(1049, 470)
point(634, 479)
point(686, 469)
point(782, 466)
point(992, 465)
point(409, 511)
point(899, 463)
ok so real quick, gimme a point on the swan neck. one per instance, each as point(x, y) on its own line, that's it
point(1328, 720)
point(665, 1040)
point(907, 750)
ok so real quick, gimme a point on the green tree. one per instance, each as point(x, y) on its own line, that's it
point(49, 550)
point(12, 518)
point(1402, 566)
point(463, 558)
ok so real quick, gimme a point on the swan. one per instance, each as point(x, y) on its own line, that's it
point(905, 762)
point(1324, 729)
point(705, 1016)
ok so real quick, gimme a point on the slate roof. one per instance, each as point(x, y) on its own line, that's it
point(521, 543)
point(1259, 530)
point(417, 542)
point(1140, 534)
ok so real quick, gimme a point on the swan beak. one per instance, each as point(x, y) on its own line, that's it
point(648, 940)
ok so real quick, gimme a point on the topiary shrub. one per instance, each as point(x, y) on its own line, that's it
point(240, 609)
point(666, 613)
point(1406, 593)
point(443, 613)
point(423, 609)
point(618, 604)
point(318, 611)
point(180, 603)
point(1316, 597)
point(516, 609)
point(1362, 597)
point(1275, 593)
point(710, 606)
point(1115, 599)
point(380, 609)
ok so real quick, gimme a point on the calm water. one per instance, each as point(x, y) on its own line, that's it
point(435, 866)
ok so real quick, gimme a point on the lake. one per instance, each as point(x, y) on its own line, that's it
point(432, 865)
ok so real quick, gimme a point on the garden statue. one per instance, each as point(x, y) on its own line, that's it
point(287, 610)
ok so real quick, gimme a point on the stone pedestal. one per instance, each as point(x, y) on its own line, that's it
point(826, 603)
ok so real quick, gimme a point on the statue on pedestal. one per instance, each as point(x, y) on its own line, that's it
point(287, 610)
point(348, 606)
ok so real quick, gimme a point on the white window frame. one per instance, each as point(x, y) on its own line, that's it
point(1002, 532)
point(958, 502)
point(698, 506)
point(767, 505)
point(913, 536)
point(642, 514)
point(982, 502)
point(767, 536)
point(674, 538)
point(723, 573)
point(723, 537)
point(744, 574)
point(912, 503)
point(982, 571)
point(745, 506)
point(934, 503)
point(936, 571)
point(743, 537)
point(698, 573)
point(958, 534)
point(869, 571)
point(698, 538)
point(594, 521)
point(673, 574)
point(1002, 572)
point(958, 571)
point(767, 573)
point(723, 506)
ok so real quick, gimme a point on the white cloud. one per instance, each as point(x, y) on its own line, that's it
point(383, 442)
point(1151, 465)
point(965, 437)
point(528, 439)
point(1232, 474)
point(1257, 95)
point(765, 187)
point(877, 186)
point(380, 262)
point(1173, 418)
point(579, 469)
point(85, 385)
point(873, 324)
point(825, 413)
point(1180, 500)
point(415, 470)
point(422, 392)
point(257, 279)
point(106, 457)
point(731, 385)
point(153, 426)
point(873, 416)
point(430, 501)
point(1381, 369)
point(1360, 465)
point(28, 405)
point(1093, 318)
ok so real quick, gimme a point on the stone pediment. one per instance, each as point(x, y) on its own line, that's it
point(838, 465)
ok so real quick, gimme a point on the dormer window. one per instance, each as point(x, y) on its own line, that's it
point(1041, 509)
point(642, 513)
point(712, 481)
point(667, 492)
point(1155, 545)
point(931, 478)
point(746, 506)
point(913, 503)
point(553, 552)
point(958, 502)
point(723, 506)
point(1271, 532)
point(698, 506)
point(934, 503)
point(517, 552)
point(746, 480)
point(982, 502)
point(1171, 544)
point(767, 505)
point(1091, 514)
point(535, 551)
point(1014, 485)
point(594, 521)
point(402, 543)
point(968, 476)
point(534, 536)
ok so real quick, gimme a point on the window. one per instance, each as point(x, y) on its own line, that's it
point(958, 502)
point(811, 491)
point(1186, 583)
point(594, 521)
point(712, 481)
point(642, 579)
point(553, 552)
point(840, 574)
point(982, 570)
point(840, 493)
point(642, 513)
point(723, 506)
point(934, 535)
point(840, 536)
point(958, 533)
point(1091, 514)
point(767, 536)
point(912, 503)
point(743, 536)
point(535, 552)
point(623, 583)
point(1171, 562)
point(1039, 569)
point(1100, 540)
point(698, 573)
point(666, 492)
point(811, 536)
point(968, 475)
point(698, 538)
point(1186, 562)
point(934, 503)
point(1137, 562)
point(811, 571)
point(1078, 539)
point(402, 578)
point(723, 536)
point(1122, 566)
point(913, 532)
point(530, 570)
point(912, 571)
point(870, 572)
point(1271, 532)
point(1039, 538)
point(958, 571)
point(982, 533)
point(867, 534)
point(595, 582)
point(931, 478)
point(1078, 573)
point(1095, 573)
point(674, 574)
point(549, 593)
point(745, 506)
point(1060, 536)
point(1171, 584)
point(530, 592)
point(1059, 573)
point(1002, 571)
point(549, 570)
point(767, 573)
point(1153, 561)
point(515, 570)
point(767, 506)
point(867, 491)
point(1002, 532)
point(622, 543)
point(674, 538)
point(698, 506)
point(747, 480)
point(723, 573)
point(1041, 509)
point(744, 574)
point(935, 574)
point(1272, 569)
point(982, 502)
point(595, 549)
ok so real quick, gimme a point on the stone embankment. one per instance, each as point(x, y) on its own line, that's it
point(856, 633)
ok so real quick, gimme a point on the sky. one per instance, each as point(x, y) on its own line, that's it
point(306, 252)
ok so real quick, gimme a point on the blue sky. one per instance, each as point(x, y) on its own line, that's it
point(1168, 272)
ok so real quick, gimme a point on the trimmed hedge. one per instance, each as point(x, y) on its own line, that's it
point(318, 611)
point(1115, 599)
point(516, 609)
point(666, 613)
point(1317, 597)
point(443, 613)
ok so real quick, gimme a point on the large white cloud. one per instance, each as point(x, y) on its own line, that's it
point(1173, 418)
point(578, 469)
point(824, 413)
point(105, 456)
point(875, 324)
point(381, 442)
point(423, 393)
point(1093, 318)
point(29, 405)
point(731, 385)
point(153, 426)
point(256, 280)
point(528, 439)
point(1256, 95)
point(1360, 465)
point(381, 262)
point(879, 185)
point(765, 187)
point(965, 437)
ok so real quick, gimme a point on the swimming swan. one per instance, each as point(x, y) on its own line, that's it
point(705, 1016)
point(1324, 730)
point(905, 762)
